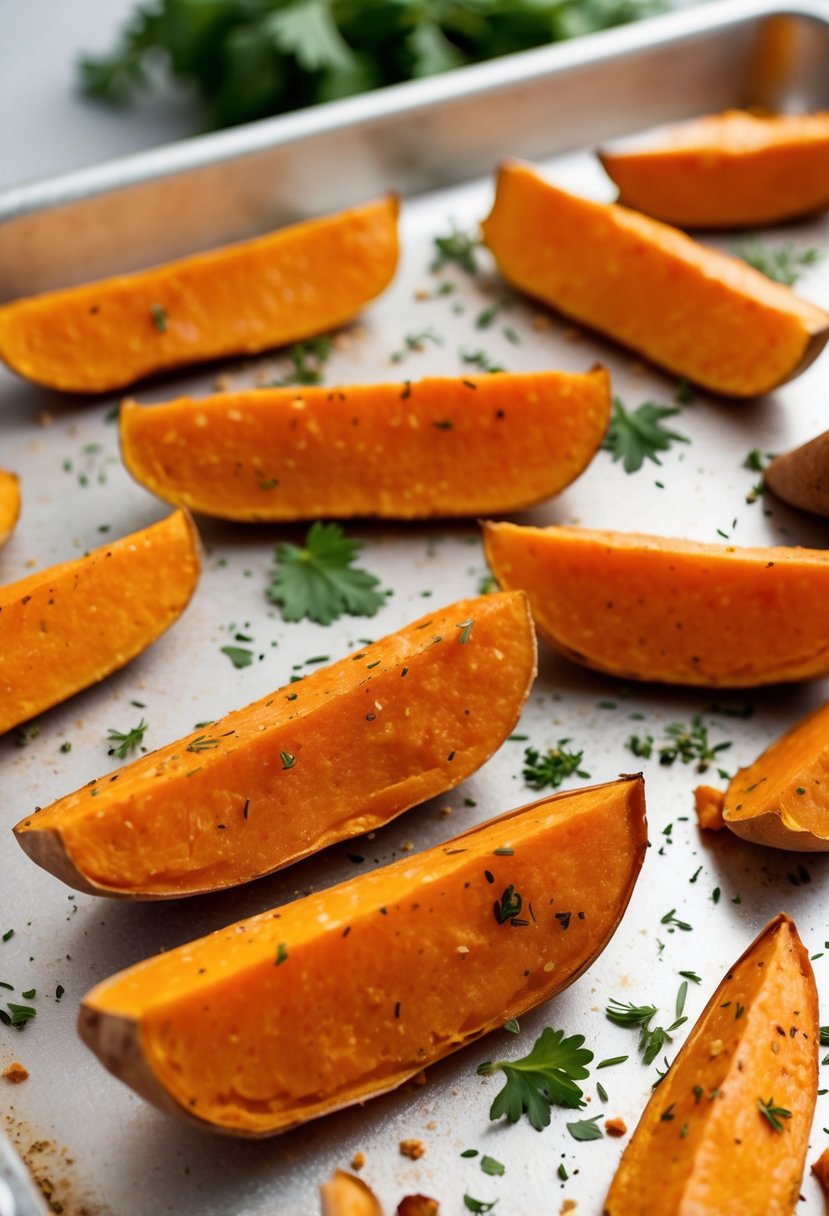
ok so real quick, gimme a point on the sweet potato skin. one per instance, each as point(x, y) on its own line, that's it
point(378, 977)
point(782, 799)
point(337, 754)
point(240, 299)
point(801, 477)
point(672, 611)
point(446, 446)
point(692, 310)
point(730, 1158)
point(68, 626)
point(9, 504)
point(731, 170)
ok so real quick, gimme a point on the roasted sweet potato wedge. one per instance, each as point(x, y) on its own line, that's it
point(68, 626)
point(340, 996)
point(446, 446)
point(728, 1128)
point(801, 477)
point(690, 309)
point(240, 299)
point(674, 611)
point(9, 504)
point(337, 754)
point(731, 170)
point(782, 799)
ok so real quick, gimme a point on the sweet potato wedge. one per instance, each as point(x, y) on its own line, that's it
point(403, 451)
point(674, 611)
point(343, 995)
point(731, 170)
point(687, 308)
point(728, 1128)
point(9, 504)
point(69, 626)
point(782, 799)
point(801, 477)
point(337, 754)
point(239, 299)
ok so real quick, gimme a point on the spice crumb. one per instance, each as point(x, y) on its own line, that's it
point(445, 812)
point(615, 1127)
point(413, 1149)
point(358, 1160)
point(541, 322)
point(15, 1073)
point(569, 1205)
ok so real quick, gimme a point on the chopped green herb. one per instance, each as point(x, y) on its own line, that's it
point(548, 1074)
point(308, 360)
point(481, 360)
point(670, 918)
point(684, 394)
point(478, 1205)
point(238, 655)
point(288, 761)
point(9, 934)
point(159, 317)
point(281, 954)
point(492, 1167)
point(465, 628)
point(551, 768)
point(202, 744)
point(24, 735)
point(692, 976)
point(609, 1063)
point(586, 1129)
point(562, 1173)
point(512, 1026)
point(635, 436)
point(20, 1014)
point(782, 263)
point(458, 248)
point(469, 1152)
point(773, 1113)
point(125, 743)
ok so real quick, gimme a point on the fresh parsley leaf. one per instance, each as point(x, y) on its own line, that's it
point(492, 1167)
point(782, 263)
point(306, 29)
point(635, 436)
point(547, 1075)
point(130, 741)
point(586, 1129)
point(239, 656)
point(19, 1015)
point(768, 1110)
point(319, 581)
point(551, 768)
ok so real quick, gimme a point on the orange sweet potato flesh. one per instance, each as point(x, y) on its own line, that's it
point(239, 299)
point(690, 309)
point(801, 477)
point(716, 1153)
point(708, 802)
point(346, 994)
point(674, 611)
point(335, 755)
point(782, 799)
point(444, 446)
point(347, 1195)
point(68, 626)
point(731, 170)
point(9, 504)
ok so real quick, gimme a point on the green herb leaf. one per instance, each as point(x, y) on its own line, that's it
point(635, 436)
point(492, 1167)
point(318, 581)
point(586, 1129)
point(308, 360)
point(548, 1074)
point(130, 741)
point(478, 1205)
point(769, 1111)
point(239, 656)
point(458, 248)
point(551, 768)
point(782, 263)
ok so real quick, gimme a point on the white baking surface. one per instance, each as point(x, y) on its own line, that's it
point(130, 1160)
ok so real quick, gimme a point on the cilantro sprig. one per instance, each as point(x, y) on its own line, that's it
point(635, 436)
point(320, 581)
point(249, 60)
point(548, 1075)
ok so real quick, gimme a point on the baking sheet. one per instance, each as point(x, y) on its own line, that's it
point(102, 1148)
